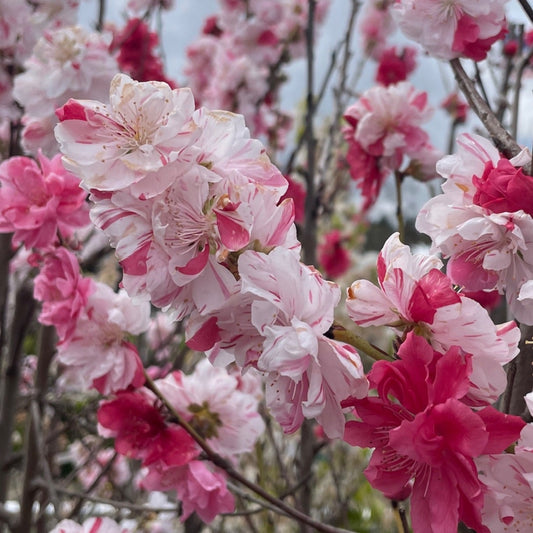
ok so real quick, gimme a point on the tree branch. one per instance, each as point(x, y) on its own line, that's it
point(500, 136)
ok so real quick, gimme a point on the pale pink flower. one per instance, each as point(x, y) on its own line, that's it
point(66, 62)
point(308, 374)
point(483, 222)
point(38, 201)
point(384, 126)
point(449, 29)
point(508, 481)
point(98, 353)
point(375, 25)
point(130, 141)
point(211, 401)
point(413, 294)
point(91, 525)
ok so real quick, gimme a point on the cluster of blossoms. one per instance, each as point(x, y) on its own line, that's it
point(375, 27)
point(431, 423)
point(191, 205)
point(137, 56)
point(446, 30)
point(483, 222)
point(220, 406)
point(65, 62)
point(425, 436)
point(384, 128)
point(235, 64)
point(93, 324)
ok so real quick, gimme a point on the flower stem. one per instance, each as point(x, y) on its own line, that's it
point(340, 333)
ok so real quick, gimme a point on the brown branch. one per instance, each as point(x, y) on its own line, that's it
point(24, 306)
point(527, 8)
point(500, 136)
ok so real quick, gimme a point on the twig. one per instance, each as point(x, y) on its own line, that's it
point(234, 474)
point(41, 483)
point(398, 176)
point(524, 62)
point(527, 8)
point(24, 306)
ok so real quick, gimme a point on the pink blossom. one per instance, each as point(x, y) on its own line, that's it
point(395, 65)
point(199, 488)
point(447, 30)
point(509, 484)
point(488, 249)
point(62, 290)
point(91, 525)
point(38, 201)
point(210, 400)
point(375, 25)
point(296, 191)
point(97, 354)
point(91, 463)
point(414, 295)
point(137, 52)
point(383, 127)
point(333, 257)
point(456, 107)
point(422, 431)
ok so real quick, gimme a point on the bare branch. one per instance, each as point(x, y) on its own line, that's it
point(500, 136)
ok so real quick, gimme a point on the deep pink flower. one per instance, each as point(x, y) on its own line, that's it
point(38, 201)
point(504, 188)
point(137, 52)
point(426, 438)
point(395, 65)
point(141, 432)
point(455, 107)
point(332, 256)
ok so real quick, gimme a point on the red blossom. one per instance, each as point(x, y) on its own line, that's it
point(426, 438)
point(395, 66)
point(141, 432)
point(504, 188)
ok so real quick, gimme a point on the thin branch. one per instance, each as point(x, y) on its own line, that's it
point(527, 8)
point(398, 176)
point(309, 236)
point(500, 136)
point(41, 483)
point(524, 62)
point(24, 306)
point(234, 474)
